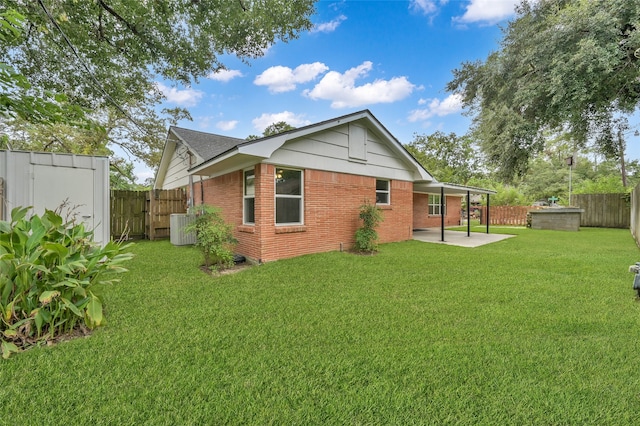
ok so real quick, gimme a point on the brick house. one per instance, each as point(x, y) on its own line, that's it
point(300, 191)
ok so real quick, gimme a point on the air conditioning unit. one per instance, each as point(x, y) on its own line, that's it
point(178, 236)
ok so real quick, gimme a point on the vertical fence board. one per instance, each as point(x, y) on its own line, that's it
point(600, 210)
point(145, 214)
point(127, 213)
point(505, 215)
point(635, 213)
point(604, 210)
point(1, 199)
point(160, 206)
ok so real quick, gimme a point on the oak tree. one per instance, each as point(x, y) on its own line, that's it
point(106, 56)
point(566, 66)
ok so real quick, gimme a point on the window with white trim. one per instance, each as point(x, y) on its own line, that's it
point(383, 192)
point(249, 198)
point(434, 205)
point(289, 197)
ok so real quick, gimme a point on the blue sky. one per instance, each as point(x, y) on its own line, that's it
point(393, 57)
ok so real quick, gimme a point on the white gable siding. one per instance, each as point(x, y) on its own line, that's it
point(177, 175)
point(333, 150)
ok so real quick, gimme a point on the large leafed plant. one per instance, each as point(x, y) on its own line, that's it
point(50, 271)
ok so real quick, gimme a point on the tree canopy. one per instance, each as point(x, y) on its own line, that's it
point(566, 66)
point(105, 57)
point(448, 157)
point(272, 129)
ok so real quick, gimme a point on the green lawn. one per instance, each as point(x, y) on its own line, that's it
point(538, 329)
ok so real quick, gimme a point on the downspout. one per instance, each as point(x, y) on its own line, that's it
point(201, 191)
point(191, 194)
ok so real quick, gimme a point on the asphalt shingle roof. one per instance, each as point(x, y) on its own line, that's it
point(206, 145)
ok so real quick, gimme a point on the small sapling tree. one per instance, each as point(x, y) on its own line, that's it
point(214, 237)
point(366, 235)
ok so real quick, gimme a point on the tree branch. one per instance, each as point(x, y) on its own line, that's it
point(115, 14)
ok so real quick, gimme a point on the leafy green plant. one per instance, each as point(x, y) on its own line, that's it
point(49, 271)
point(366, 235)
point(214, 237)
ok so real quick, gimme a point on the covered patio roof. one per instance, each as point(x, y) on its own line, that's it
point(443, 188)
point(434, 187)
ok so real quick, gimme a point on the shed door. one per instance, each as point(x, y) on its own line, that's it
point(53, 185)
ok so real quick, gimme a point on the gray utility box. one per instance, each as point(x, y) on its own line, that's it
point(47, 180)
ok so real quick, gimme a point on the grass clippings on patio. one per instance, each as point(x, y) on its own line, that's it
point(539, 329)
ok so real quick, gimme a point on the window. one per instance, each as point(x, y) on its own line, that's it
point(434, 205)
point(382, 191)
point(249, 197)
point(288, 196)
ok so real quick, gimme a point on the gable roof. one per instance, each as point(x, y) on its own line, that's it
point(205, 145)
point(217, 151)
point(263, 148)
point(201, 144)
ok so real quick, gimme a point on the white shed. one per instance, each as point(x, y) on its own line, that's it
point(47, 180)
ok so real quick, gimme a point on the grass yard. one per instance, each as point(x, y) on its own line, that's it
point(538, 329)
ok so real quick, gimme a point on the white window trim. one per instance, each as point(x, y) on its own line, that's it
point(388, 192)
point(276, 196)
point(439, 204)
point(245, 197)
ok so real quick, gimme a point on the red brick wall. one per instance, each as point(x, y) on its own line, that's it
point(422, 219)
point(226, 192)
point(332, 203)
point(331, 208)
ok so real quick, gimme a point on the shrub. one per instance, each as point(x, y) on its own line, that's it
point(366, 235)
point(49, 270)
point(214, 237)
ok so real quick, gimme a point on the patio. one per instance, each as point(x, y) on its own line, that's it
point(457, 238)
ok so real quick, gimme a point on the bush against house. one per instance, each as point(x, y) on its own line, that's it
point(214, 237)
point(366, 235)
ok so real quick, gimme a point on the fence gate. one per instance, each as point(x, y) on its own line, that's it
point(145, 214)
point(128, 214)
point(160, 205)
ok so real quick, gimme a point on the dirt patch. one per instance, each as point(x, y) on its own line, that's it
point(227, 271)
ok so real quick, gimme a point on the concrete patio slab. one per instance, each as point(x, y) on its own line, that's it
point(457, 238)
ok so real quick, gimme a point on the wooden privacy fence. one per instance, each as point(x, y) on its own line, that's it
point(604, 210)
point(145, 214)
point(635, 213)
point(505, 215)
point(600, 210)
point(1, 199)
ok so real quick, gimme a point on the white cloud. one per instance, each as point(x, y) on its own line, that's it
point(185, 97)
point(328, 27)
point(224, 75)
point(487, 11)
point(423, 6)
point(265, 120)
point(227, 125)
point(281, 79)
point(342, 91)
point(426, 7)
point(452, 104)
